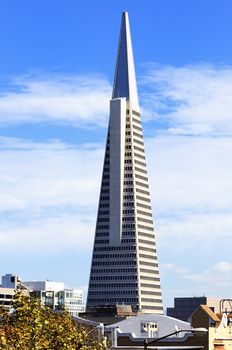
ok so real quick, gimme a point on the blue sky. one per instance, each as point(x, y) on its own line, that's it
point(56, 71)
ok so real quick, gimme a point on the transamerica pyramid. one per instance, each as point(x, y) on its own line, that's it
point(124, 267)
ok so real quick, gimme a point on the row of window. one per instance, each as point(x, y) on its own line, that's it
point(128, 204)
point(139, 142)
point(128, 226)
point(6, 296)
point(145, 213)
point(128, 233)
point(145, 227)
point(114, 248)
point(113, 300)
point(147, 242)
point(148, 285)
point(137, 128)
point(104, 205)
point(103, 227)
point(148, 278)
point(139, 156)
point(138, 135)
point(128, 211)
point(145, 249)
point(105, 191)
point(135, 113)
point(128, 154)
point(148, 292)
point(113, 292)
point(143, 205)
point(144, 234)
point(113, 263)
point(103, 212)
point(142, 184)
point(143, 198)
point(148, 271)
point(150, 300)
point(113, 285)
point(148, 307)
point(144, 178)
point(103, 220)
point(140, 163)
point(148, 263)
point(121, 270)
point(116, 256)
point(113, 278)
point(102, 234)
point(145, 220)
point(130, 175)
point(139, 149)
point(128, 218)
point(141, 170)
point(102, 241)
point(136, 120)
point(128, 240)
point(128, 196)
point(128, 189)
point(145, 256)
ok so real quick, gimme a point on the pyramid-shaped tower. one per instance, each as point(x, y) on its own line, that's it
point(124, 265)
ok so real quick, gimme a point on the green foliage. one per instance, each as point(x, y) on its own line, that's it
point(32, 326)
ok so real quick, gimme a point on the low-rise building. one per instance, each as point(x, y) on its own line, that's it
point(208, 331)
point(55, 295)
point(185, 306)
point(10, 283)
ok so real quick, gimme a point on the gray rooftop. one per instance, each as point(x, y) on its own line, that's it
point(165, 325)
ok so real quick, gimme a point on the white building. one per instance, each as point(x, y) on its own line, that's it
point(10, 283)
point(54, 294)
point(124, 267)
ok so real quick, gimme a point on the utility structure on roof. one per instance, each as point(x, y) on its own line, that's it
point(124, 267)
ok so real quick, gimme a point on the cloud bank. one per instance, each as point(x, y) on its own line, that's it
point(194, 99)
point(72, 99)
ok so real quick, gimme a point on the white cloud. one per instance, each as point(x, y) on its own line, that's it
point(195, 99)
point(169, 267)
point(48, 174)
point(36, 232)
point(77, 100)
point(190, 174)
point(219, 275)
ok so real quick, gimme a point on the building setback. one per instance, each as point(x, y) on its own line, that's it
point(124, 265)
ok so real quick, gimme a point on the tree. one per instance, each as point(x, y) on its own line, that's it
point(32, 326)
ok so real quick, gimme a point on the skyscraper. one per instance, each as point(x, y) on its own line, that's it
point(124, 263)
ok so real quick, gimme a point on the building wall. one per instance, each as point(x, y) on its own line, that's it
point(184, 307)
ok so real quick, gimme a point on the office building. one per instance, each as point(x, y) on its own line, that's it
point(124, 265)
point(185, 306)
point(54, 295)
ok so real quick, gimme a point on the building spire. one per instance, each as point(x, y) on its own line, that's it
point(124, 79)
